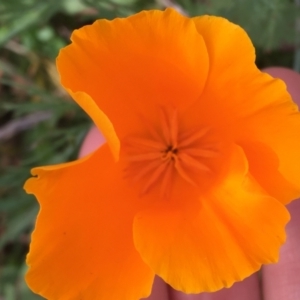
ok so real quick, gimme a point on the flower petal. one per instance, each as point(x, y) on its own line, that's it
point(267, 126)
point(230, 50)
point(270, 168)
point(129, 70)
point(82, 247)
point(236, 229)
point(229, 71)
point(250, 108)
point(100, 119)
point(269, 131)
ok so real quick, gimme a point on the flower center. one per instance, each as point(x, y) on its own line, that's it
point(155, 160)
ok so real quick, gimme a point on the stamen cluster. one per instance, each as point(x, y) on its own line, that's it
point(156, 158)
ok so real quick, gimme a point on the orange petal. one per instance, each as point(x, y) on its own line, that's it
point(231, 64)
point(100, 119)
point(269, 131)
point(82, 246)
point(267, 125)
point(131, 66)
point(249, 107)
point(236, 230)
point(230, 50)
point(267, 166)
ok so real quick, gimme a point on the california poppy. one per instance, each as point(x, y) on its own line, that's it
point(202, 155)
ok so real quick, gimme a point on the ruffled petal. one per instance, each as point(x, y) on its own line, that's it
point(267, 126)
point(269, 131)
point(249, 107)
point(129, 70)
point(235, 230)
point(82, 246)
point(276, 170)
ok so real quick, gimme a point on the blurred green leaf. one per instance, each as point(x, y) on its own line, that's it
point(269, 23)
point(45, 34)
point(124, 2)
point(25, 17)
point(74, 6)
point(20, 220)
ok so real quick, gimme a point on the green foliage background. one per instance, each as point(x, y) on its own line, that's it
point(39, 123)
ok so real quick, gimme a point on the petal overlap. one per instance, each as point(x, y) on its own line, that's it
point(82, 247)
point(158, 62)
point(250, 108)
point(236, 228)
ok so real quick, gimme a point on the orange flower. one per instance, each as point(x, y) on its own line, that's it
point(202, 153)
